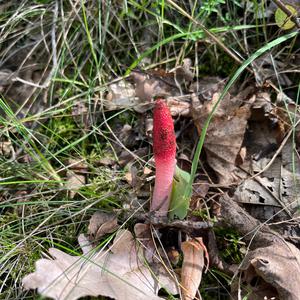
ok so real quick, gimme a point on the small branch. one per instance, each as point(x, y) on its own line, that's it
point(253, 231)
point(184, 225)
point(159, 221)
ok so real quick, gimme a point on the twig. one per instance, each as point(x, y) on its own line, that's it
point(29, 83)
point(185, 225)
point(253, 231)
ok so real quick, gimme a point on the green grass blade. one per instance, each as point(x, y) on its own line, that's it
point(194, 35)
point(240, 70)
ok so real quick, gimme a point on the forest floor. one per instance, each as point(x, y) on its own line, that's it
point(78, 83)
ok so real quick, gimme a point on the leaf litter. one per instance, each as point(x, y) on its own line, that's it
point(102, 223)
point(118, 272)
point(75, 176)
point(226, 131)
point(194, 252)
point(22, 82)
point(271, 267)
point(249, 152)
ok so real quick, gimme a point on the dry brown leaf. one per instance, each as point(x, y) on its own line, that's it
point(164, 85)
point(273, 265)
point(128, 177)
point(6, 148)
point(275, 269)
point(273, 121)
point(206, 87)
point(275, 190)
point(274, 195)
point(102, 223)
point(226, 131)
point(106, 161)
point(127, 136)
point(147, 85)
point(74, 183)
point(25, 89)
point(75, 176)
point(131, 176)
point(145, 243)
point(263, 105)
point(173, 256)
point(148, 121)
point(159, 82)
point(184, 72)
point(121, 94)
point(194, 252)
point(179, 107)
point(118, 273)
point(241, 156)
point(147, 171)
point(145, 240)
point(125, 157)
point(264, 67)
point(80, 114)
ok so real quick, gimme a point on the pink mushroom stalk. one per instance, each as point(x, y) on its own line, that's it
point(164, 148)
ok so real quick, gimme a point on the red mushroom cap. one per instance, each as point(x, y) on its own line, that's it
point(164, 140)
point(164, 147)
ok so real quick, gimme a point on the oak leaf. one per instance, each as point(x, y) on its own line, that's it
point(119, 272)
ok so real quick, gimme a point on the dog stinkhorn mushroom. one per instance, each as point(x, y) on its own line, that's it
point(164, 148)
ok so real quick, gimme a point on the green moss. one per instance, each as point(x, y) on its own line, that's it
point(203, 214)
point(62, 132)
point(230, 245)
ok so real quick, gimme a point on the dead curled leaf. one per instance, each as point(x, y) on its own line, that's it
point(178, 107)
point(139, 94)
point(274, 192)
point(271, 193)
point(74, 182)
point(119, 272)
point(159, 82)
point(121, 94)
point(80, 114)
point(268, 271)
point(194, 252)
point(145, 241)
point(75, 176)
point(6, 148)
point(102, 223)
point(275, 269)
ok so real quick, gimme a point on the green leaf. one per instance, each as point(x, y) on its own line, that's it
point(282, 19)
point(179, 203)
